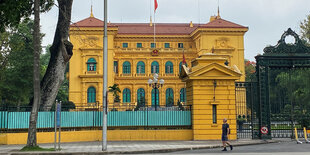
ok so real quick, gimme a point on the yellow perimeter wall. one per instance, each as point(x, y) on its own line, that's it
point(96, 135)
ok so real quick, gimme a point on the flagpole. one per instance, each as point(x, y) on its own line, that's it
point(155, 7)
point(154, 29)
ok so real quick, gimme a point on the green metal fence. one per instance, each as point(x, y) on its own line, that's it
point(73, 119)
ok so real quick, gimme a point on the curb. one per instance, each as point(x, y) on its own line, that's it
point(139, 152)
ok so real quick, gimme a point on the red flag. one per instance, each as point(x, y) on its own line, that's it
point(155, 5)
point(183, 62)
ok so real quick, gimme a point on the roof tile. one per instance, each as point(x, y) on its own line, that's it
point(161, 28)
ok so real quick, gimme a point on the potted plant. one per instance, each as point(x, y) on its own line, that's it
point(115, 90)
point(240, 121)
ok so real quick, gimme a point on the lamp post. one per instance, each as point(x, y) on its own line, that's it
point(154, 84)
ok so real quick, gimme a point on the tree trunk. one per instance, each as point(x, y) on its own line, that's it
point(32, 130)
point(61, 52)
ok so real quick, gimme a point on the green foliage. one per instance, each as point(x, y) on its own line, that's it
point(241, 119)
point(115, 90)
point(16, 70)
point(249, 70)
point(305, 29)
point(16, 73)
point(36, 148)
point(292, 88)
point(13, 11)
point(141, 103)
point(169, 102)
point(44, 60)
point(180, 106)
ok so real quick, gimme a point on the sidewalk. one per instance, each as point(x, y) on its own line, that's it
point(130, 147)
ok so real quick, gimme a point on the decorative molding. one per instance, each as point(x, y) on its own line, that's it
point(155, 52)
point(282, 47)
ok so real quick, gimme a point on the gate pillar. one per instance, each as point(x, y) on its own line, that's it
point(210, 89)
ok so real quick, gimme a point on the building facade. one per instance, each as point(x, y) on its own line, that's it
point(134, 55)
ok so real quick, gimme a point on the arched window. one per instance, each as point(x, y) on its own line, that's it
point(157, 97)
point(126, 67)
point(183, 95)
point(141, 96)
point(169, 67)
point(180, 66)
point(91, 95)
point(126, 96)
point(140, 67)
point(91, 64)
point(154, 67)
point(169, 97)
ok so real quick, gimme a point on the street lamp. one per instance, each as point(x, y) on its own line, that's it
point(154, 84)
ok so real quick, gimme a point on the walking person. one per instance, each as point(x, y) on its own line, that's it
point(225, 132)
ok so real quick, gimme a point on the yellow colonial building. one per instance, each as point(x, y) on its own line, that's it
point(134, 56)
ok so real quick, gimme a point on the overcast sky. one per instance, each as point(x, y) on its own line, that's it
point(266, 19)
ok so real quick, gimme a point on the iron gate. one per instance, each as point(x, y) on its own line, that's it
point(246, 110)
point(283, 73)
point(289, 96)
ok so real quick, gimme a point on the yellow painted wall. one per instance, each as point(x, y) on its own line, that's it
point(203, 94)
point(203, 126)
point(3, 138)
point(96, 135)
point(88, 43)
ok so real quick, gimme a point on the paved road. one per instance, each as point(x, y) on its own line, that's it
point(283, 148)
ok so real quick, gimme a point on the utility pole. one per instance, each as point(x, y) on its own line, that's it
point(105, 80)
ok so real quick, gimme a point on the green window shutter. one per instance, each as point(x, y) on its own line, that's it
point(156, 66)
point(126, 67)
point(126, 96)
point(169, 67)
point(125, 45)
point(91, 95)
point(115, 66)
point(169, 97)
point(180, 45)
point(167, 45)
point(153, 45)
point(93, 62)
point(183, 95)
point(141, 96)
point(141, 67)
point(153, 97)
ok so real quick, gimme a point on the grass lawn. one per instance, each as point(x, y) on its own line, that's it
point(36, 148)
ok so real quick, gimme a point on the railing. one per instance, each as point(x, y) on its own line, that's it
point(146, 117)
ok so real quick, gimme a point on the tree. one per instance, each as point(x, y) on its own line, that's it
point(32, 130)
point(63, 91)
point(61, 52)
point(4, 52)
point(115, 90)
point(169, 102)
point(305, 29)
point(140, 103)
point(249, 70)
point(294, 87)
point(16, 71)
point(12, 12)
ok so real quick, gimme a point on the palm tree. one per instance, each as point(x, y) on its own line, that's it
point(115, 89)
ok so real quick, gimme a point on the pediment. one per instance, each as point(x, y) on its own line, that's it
point(214, 70)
